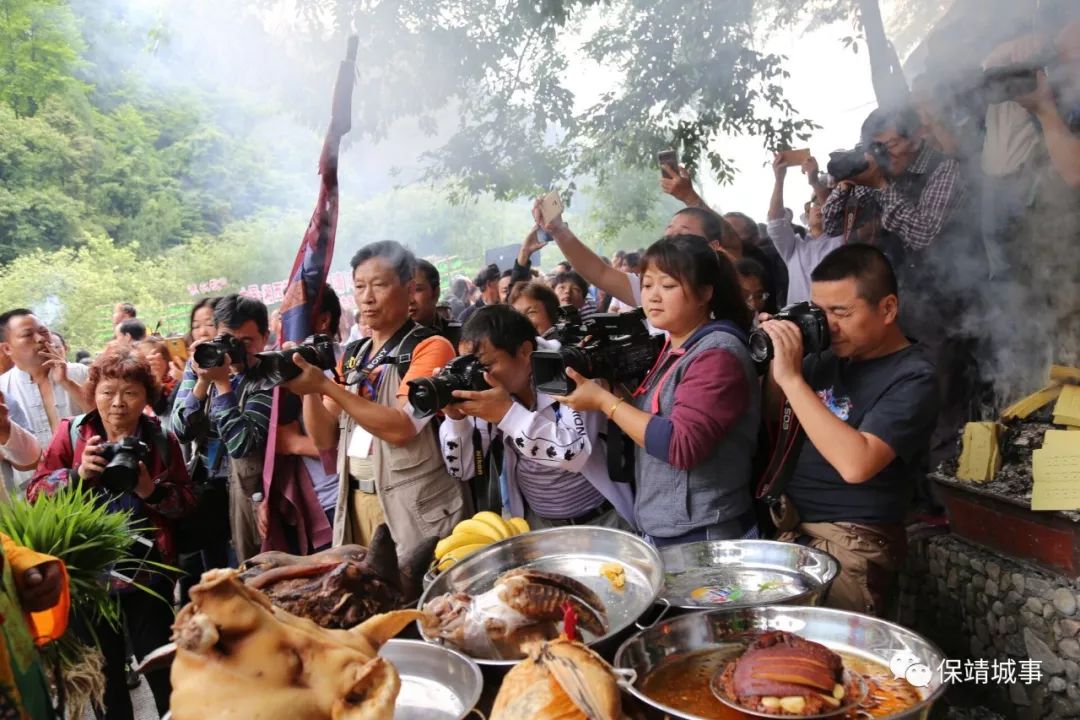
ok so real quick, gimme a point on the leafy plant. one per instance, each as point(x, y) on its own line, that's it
point(94, 542)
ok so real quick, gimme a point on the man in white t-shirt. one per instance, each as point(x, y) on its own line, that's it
point(800, 255)
point(43, 388)
point(19, 451)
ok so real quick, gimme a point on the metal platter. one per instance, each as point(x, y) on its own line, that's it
point(576, 551)
point(707, 640)
point(437, 683)
point(745, 573)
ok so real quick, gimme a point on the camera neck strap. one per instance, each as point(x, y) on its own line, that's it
point(785, 448)
point(355, 375)
point(668, 359)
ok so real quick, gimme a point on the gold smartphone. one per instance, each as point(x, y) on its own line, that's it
point(795, 158)
point(177, 348)
point(551, 207)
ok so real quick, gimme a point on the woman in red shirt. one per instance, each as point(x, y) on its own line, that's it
point(121, 386)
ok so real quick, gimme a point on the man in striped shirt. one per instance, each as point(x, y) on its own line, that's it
point(228, 421)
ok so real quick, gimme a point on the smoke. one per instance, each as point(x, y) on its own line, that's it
point(259, 74)
point(1022, 274)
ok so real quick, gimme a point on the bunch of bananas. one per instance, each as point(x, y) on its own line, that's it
point(473, 534)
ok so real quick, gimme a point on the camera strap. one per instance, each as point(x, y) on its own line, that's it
point(663, 360)
point(354, 375)
point(785, 448)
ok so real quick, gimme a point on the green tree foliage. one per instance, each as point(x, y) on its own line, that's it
point(681, 73)
point(139, 165)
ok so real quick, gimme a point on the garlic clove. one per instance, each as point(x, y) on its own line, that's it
point(770, 703)
point(793, 704)
point(838, 692)
point(833, 702)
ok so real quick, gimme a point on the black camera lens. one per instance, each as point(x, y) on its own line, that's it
point(121, 474)
point(274, 367)
point(761, 347)
point(209, 355)
point(846, 164)
point(429, 395)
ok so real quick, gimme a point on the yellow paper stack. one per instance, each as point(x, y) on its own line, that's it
point(1056, 472)
point(1067, 409)
point(980, 459)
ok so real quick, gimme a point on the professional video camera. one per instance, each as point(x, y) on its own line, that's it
point(616, 348)
point(431, 394)
point(222, 350)
point(274, 367)
point(121, 474)
point(813, 325)
point(846, 164)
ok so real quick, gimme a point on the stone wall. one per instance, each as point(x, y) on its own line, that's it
point(977, 604)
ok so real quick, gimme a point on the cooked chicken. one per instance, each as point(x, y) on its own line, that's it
point(561, 680)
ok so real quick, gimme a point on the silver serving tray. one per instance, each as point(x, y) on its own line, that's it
point(576, 551)
point(859, 635)
point(437, 683)
point(745, 573)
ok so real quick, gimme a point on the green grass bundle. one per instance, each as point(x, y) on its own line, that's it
point(96, 544)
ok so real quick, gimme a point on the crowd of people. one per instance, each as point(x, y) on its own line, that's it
point(677, 458)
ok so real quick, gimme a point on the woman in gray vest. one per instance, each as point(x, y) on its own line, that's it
point(695, 417)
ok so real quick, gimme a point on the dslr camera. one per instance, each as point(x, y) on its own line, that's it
point(813, 326)
point(846, 164)
point(222, 350)
point(431, 394)
point(274, 367)
point(121, 474)
point(614, 347)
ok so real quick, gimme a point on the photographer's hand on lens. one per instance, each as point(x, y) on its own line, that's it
point(786, 365)
point(1041, 98)
point(491, 405)
point(40, 586)
point(92, 463)
point(873, 176)
point(145, 487)
point(588, 396)
point(311, 379)
point(213, 375)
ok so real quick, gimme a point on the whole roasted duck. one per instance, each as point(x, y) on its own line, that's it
point(520, 610)
point(238, 656)
point(343, 586)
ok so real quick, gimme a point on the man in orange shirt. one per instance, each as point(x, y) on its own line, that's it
point(389, 465)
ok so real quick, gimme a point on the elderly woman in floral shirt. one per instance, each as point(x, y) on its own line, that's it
point(121, 385)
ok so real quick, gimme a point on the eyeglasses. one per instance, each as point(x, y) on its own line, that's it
point(757, 296)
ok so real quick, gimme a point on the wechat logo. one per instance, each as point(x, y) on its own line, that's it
point(905, 665)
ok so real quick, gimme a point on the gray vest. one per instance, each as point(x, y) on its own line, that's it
point(670, 502)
